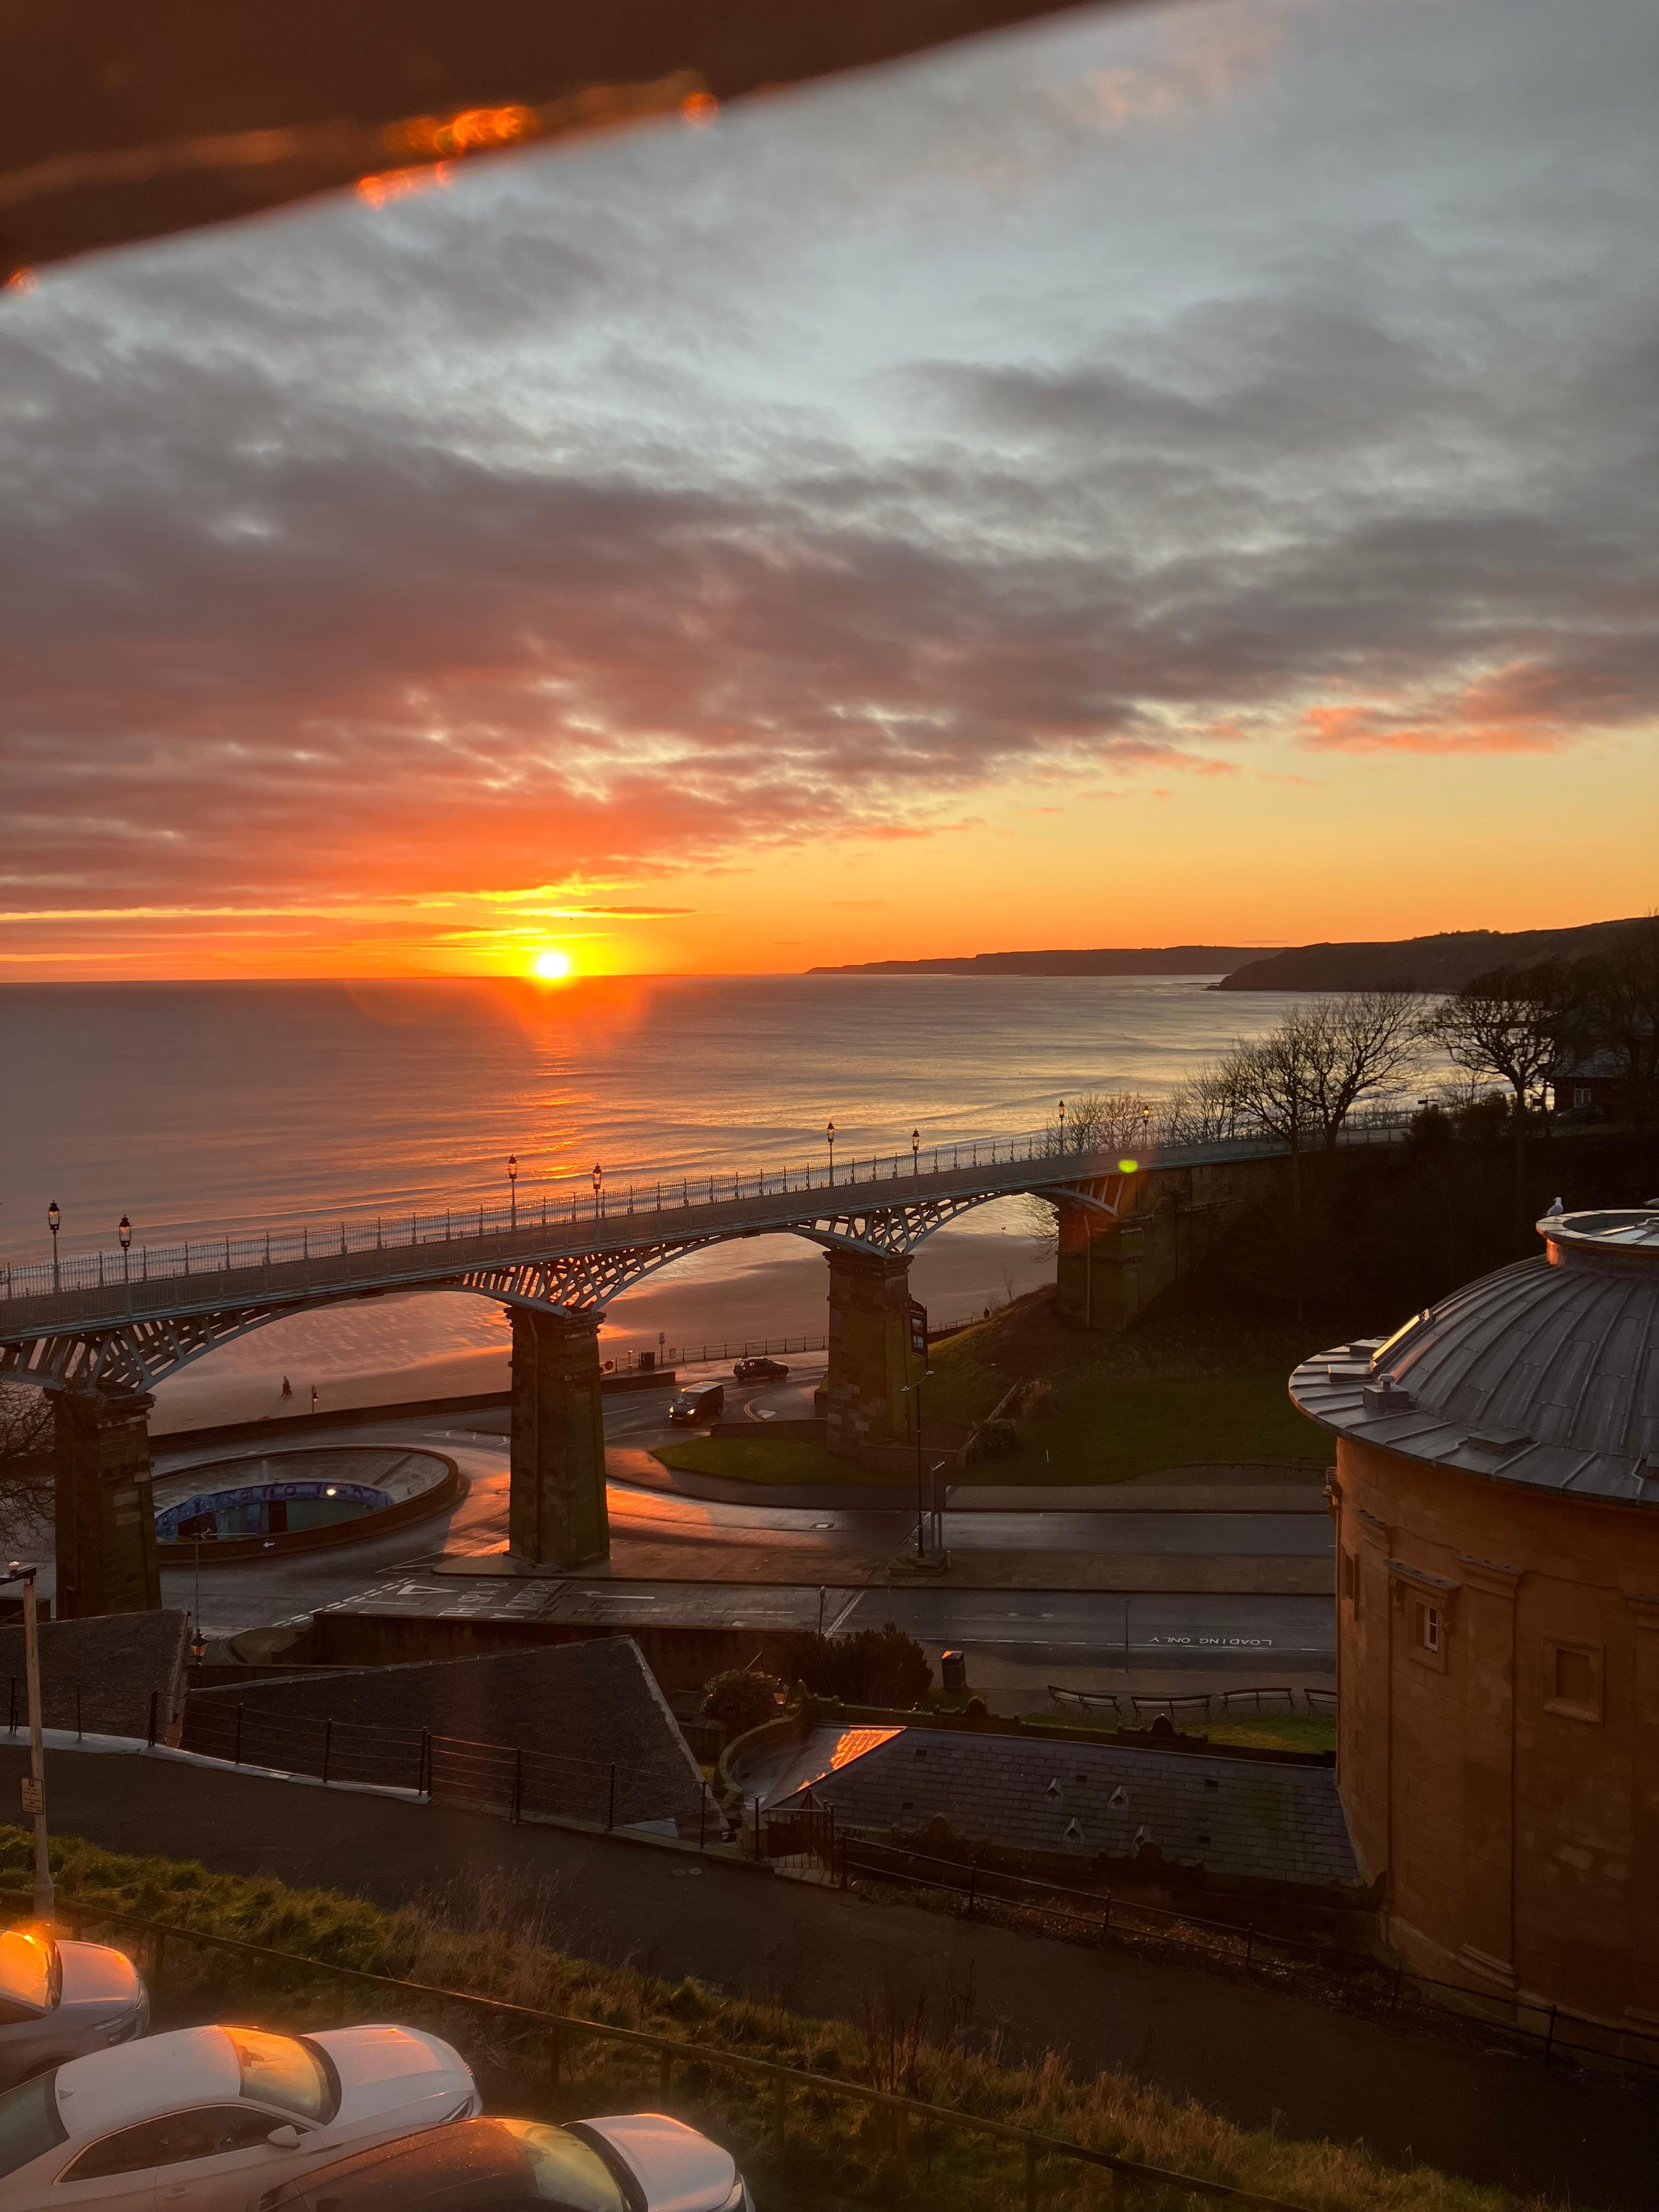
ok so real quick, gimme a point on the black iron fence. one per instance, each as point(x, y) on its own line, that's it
point(1137, 1707)
point(524, 1785)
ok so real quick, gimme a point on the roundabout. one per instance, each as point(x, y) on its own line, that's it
point(254, 1506)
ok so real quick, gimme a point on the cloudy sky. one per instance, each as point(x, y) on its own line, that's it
point(1175, 475)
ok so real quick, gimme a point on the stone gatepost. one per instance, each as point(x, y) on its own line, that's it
point(556, 1514)
point(870, 1357)
point(105, 1514)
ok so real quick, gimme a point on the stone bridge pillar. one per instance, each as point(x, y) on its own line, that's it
point(870, 1357)
point(557, 1513)
point(1116, 1255)
point(105, 1515)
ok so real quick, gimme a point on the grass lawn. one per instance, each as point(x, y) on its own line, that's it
point(497, 1942)
point(1123, 1407)
point(768, 1459)
point(1259, 1732)
point(1114, 1432)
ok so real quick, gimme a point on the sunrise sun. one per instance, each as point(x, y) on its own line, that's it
point(551, 967)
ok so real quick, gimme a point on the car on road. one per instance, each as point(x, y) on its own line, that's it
point(697, 1403)
point(760, 1370)
point(60, 2001)
point(211, 2119)
point(631, 2162)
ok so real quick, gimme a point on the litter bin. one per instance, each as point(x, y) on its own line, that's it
point(953, 1670)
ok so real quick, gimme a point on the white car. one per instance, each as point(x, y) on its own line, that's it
point(60, 2000)
point(208, 2119)
point(629, 2162)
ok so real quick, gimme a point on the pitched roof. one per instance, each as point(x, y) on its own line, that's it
point(1245, 1817)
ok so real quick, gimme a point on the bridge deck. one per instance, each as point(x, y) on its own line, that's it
point(291, 1268)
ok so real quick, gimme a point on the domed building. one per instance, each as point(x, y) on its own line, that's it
point(1497, 1502)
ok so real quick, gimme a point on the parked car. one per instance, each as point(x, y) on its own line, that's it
point(634, 2162)
point(211, 2119)
point(760, 1370)
point(699, 1402)
point(59, 2000)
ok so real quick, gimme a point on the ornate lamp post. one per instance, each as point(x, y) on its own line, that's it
point(830, 1134)
point(598, 1197)
point(124, 1232)
point(53, 1216)
point(1062, 1125)
point(512, 1189)
point(916, 1151)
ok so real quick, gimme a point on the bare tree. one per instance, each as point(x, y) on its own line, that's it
point(25, 1467)
point(1207, 1106)
point(1621, 1014)
point(1302, 1081)
point(1359, 1046)
point(1514, 1023)
point(1108, 1121)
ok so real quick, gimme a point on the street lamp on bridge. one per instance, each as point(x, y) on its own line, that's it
point(53, 1216)
point(916, 1151)
point(599, 1202)
point(124, 1232)
point(1062, 1125)
point(830, 1134)
point(512, 1189)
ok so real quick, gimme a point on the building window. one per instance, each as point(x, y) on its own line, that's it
point(1583, 1095)
point(1572, 1678)
point(1349, 1582)
point(1428, 1628)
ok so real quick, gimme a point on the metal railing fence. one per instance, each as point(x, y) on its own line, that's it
point(526, 1784)
point(569, 1215)
point(1129, 2177)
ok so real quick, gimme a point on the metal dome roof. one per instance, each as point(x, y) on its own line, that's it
point(1545, 1373)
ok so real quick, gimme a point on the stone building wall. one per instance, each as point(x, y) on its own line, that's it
point(1499, 1651)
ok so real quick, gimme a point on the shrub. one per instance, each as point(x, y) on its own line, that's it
point(740, 1701)
point(875, 1666)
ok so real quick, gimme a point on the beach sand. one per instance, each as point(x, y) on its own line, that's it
point(390, 1351)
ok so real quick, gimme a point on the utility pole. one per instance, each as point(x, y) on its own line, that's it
point(35, 1785)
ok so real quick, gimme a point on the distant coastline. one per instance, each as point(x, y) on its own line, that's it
point(1110, 960)
point(1441, 962)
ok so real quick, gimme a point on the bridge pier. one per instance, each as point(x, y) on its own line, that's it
point(556, 1514)
point(105, 1515)
point(1142, 1233)
point(870, 1357)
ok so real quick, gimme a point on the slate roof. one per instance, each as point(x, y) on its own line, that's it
point(1245, 1817)
point(114, 1660)
point(1545, 1373)
point(595, 1704)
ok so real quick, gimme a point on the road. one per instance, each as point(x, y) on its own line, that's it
point(779, 1556)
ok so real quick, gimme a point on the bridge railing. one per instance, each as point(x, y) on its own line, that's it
point(573, 1214)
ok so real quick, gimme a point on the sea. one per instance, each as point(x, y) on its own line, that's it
point(196, 1108)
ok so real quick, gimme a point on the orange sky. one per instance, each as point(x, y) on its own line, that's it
point(1170, 476)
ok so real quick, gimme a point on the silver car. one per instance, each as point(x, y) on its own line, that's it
point(60, 2001)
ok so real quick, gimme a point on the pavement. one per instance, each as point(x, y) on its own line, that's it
point(1262, 2055)
point(1216, 1574)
